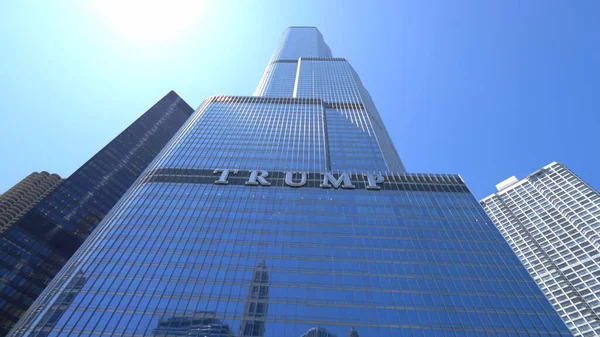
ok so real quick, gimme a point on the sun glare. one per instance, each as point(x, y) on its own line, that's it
point(149, 20)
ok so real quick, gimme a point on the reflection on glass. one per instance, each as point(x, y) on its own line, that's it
point(318, 332)
point(322, 332)
point(72, 289)
point(256, 306)
point(198, 324)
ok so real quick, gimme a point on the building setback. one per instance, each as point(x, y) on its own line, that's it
point(551, 219)
point(289, 213)
point(37, 243)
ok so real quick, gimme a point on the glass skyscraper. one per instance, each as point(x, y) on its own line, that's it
point(36, 242)
point(289, 213)
point(551, 219)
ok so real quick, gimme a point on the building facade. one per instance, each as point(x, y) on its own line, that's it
point(25, 195)
point(551, 219)
point(37, 243)
point(289, 213)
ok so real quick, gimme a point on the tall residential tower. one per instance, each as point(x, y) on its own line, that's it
point(289, 213)
point(25, 195)
point(551, 219)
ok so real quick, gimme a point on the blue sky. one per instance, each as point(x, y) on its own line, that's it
point(486, 89)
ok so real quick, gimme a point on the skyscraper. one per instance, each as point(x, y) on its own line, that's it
point(25, 195)
point(296, 193)
point(35, 244)
point(551, 219)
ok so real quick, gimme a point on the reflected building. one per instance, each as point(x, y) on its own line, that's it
point(256, 305)
point(67, 296)
point(304, 176)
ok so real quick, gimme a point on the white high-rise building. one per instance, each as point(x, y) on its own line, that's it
point(551, 219)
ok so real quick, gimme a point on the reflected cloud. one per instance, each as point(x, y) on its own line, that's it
point(198, 324)
point(322, 332)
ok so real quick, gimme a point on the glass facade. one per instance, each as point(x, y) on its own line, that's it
point(281, 216)
point(279, 79)
point(302, 66)
point(551, 220)
point(39, 242)
point(280, 74)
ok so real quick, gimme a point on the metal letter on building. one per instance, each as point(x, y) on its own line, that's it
point(224, 174)
point(289, 179)
point(258, 177)
point(336, 182)
point(373, 180)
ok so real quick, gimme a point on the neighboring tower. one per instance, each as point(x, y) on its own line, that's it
point(551, 219)
point(24, 195)
point(37, 243)
point(256, 305)
point(309, 185)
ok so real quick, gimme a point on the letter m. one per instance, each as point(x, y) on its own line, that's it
point(343, 180)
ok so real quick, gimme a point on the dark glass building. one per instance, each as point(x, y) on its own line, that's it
point(37, 243)
point(289, 213)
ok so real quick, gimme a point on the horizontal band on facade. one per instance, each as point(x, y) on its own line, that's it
point(322, 59)
point(284, 61)
point(393, 182)
point(335, 59)
point(284, 100)
point(267, 100)
point(345, 106)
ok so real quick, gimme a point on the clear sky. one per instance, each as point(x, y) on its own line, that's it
point(485, 89)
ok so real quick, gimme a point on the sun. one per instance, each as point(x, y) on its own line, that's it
point(149, 20)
